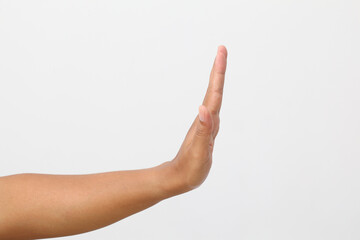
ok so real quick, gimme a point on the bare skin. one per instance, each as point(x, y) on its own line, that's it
point(35, 206)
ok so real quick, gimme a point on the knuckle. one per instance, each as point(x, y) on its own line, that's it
point(201, 132)
point(214, 112)
point(219, 90)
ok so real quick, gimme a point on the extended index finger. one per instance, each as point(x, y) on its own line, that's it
point(214, 93)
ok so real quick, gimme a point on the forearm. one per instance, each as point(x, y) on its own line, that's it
point(41, 205)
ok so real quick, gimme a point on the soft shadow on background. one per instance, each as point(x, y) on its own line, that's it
point(94, 86)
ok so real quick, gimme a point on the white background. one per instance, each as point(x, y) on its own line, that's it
point(91, 86)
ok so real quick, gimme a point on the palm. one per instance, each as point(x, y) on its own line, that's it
point(194, 159)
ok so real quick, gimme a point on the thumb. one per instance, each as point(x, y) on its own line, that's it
point(203, 133)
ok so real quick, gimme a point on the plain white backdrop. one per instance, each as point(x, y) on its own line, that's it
point(92, 86)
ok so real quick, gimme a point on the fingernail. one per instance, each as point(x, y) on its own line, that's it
point(201, 114)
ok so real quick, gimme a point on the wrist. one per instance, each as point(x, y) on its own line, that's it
point(170, 181)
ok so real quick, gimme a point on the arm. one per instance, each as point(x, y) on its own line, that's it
point(34, 206)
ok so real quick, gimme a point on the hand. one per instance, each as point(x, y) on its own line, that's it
point(192, 163)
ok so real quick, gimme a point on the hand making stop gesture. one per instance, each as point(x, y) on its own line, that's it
point(193, 161)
